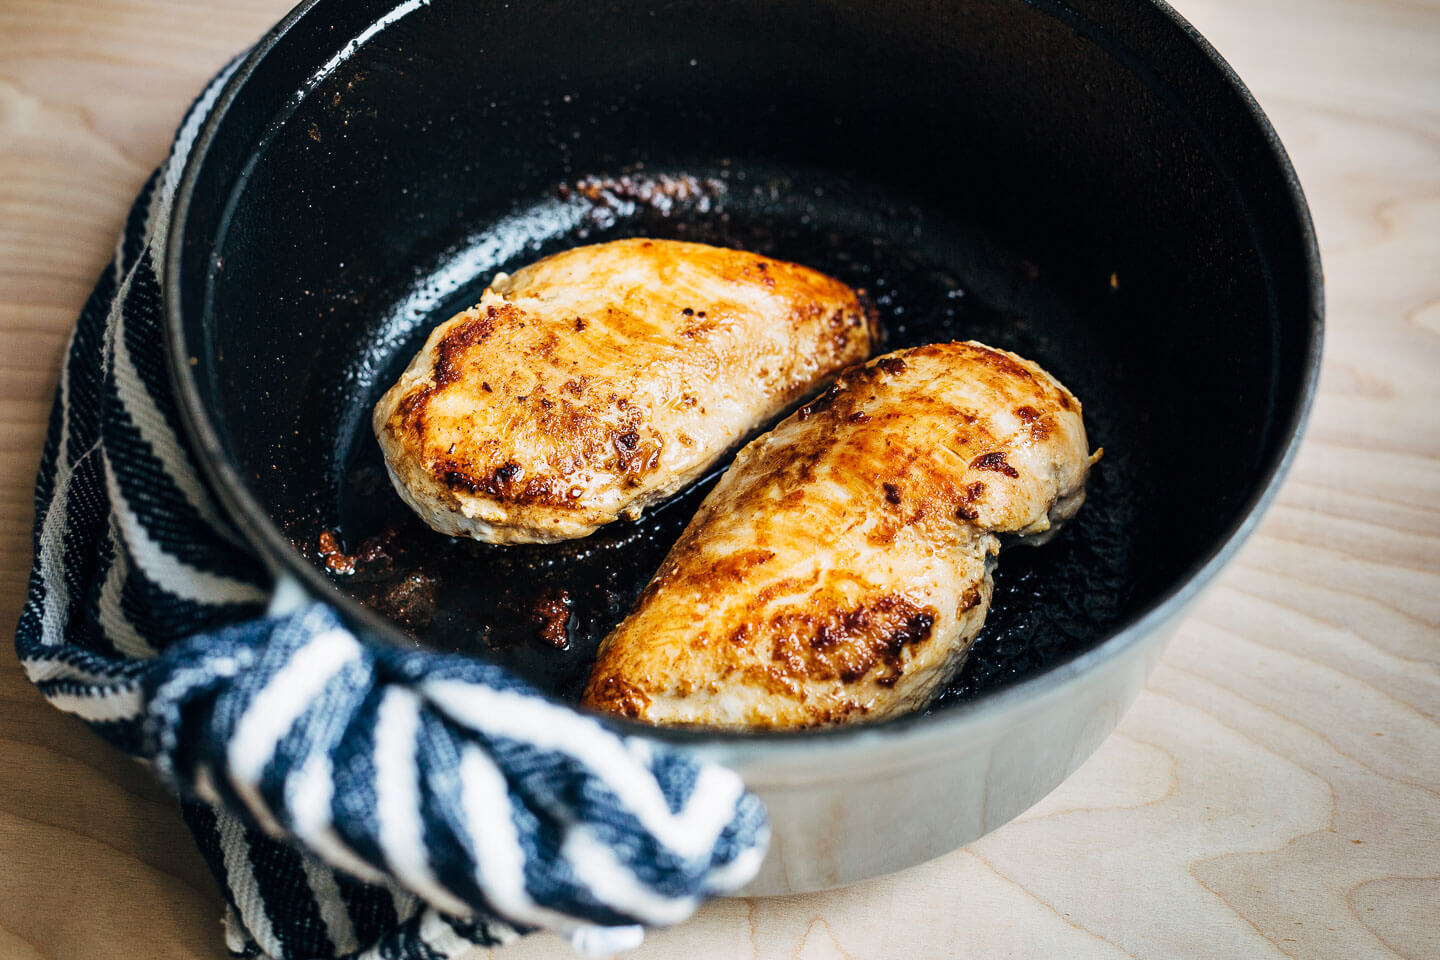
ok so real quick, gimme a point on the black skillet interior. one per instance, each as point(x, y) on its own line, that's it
point(1075, 183)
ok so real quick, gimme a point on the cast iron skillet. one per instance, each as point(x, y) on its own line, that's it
point(1086, 184)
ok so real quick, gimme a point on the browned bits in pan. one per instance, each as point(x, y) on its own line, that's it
point(552, 613)
point(336, 561)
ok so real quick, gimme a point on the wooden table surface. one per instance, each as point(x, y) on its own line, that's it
point(1274, 792)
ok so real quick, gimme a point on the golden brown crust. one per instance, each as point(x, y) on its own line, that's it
point(841, 568)
point(597, 381)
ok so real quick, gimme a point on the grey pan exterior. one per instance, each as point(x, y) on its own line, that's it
point(857, 802)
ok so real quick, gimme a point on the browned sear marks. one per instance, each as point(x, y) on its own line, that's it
point(842, 566)
point(994, 460)
point(614, 695)
point(966, 509)
point(589, 365)
point(847, 645)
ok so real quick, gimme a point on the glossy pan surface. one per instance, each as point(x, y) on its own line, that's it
point(1084, 184)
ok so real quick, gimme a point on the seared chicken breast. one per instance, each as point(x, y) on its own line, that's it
point(842, 567)
point(593, 383)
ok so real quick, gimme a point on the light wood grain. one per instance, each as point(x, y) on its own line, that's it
point(1274, 792)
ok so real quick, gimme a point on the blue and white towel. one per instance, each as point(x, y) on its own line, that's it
point(352, 799)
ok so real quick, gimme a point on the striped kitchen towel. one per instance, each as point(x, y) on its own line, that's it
point(352, 799)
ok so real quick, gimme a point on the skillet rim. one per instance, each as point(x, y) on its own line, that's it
point(743, 748)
